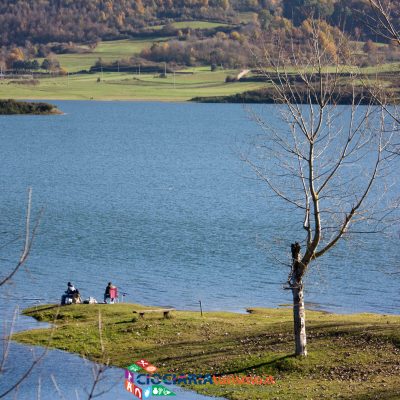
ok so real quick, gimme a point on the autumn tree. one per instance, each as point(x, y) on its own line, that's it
point(15, 54)
point(139, 6)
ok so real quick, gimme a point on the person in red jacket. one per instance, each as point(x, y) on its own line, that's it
point(107, 291)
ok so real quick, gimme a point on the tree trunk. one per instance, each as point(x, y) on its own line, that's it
point(299, 318)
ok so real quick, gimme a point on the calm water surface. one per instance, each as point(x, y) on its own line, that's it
point(154, 198)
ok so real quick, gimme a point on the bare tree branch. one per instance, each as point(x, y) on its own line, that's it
point(34, 363)
point(382, 23)
point(29, 237)
point(99, 369)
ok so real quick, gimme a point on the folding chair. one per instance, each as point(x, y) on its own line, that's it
point(114, 295)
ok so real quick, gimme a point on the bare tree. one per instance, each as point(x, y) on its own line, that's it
point(381, 22)
point(28, 240)
point(99, 369)
point(29, 236)
point(37, 358)
point(327, 162)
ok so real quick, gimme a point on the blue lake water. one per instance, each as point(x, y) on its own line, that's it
point(154, 197)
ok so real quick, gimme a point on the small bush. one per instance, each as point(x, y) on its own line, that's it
point(10, 107)
point(230, 79)
point(32, 82)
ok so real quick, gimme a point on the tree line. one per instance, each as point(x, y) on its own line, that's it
point(244, 47)
point(90, 20)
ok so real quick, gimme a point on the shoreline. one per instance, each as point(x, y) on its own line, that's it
point(238, 99)
point(144, 100)
point(259, 343)
point(206, 100)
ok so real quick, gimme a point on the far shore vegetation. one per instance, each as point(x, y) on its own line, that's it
point(13, 107)
point(350, 356)
point(343, 95)
point(211, 60)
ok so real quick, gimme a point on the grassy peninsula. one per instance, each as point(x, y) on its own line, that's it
point(350, 356)
point(13, 107)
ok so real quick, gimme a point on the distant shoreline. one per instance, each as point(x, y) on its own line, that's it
point(262, 96)
point(268, 96)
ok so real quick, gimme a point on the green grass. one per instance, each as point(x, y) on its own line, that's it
point(350, 356)
point(193, 25)
point(108, 51)
point(199, 82)
point(119, 49)
point(123, 86)
point(198, 24)
point(376, 69)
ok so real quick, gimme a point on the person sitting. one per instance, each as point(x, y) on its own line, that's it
point(71, 296)
point(71, 289)
point(107, 292)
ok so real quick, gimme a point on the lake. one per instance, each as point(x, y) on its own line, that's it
point(154, 197)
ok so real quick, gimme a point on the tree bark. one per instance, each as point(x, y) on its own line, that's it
point(299, 318)
point(299, 313)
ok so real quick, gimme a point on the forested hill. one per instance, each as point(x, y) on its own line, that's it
point(44, 21)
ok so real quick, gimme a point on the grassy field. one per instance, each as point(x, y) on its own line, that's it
point(196, 82)
point(122, 86)
point(107, 51)
point(192, 25)
point(114, 86)
point(119, 49)
point(353, 357)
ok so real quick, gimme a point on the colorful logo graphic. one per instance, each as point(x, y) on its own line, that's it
point(132, 383)
point(134, 368)
point(142, 381)
point(144, 364)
